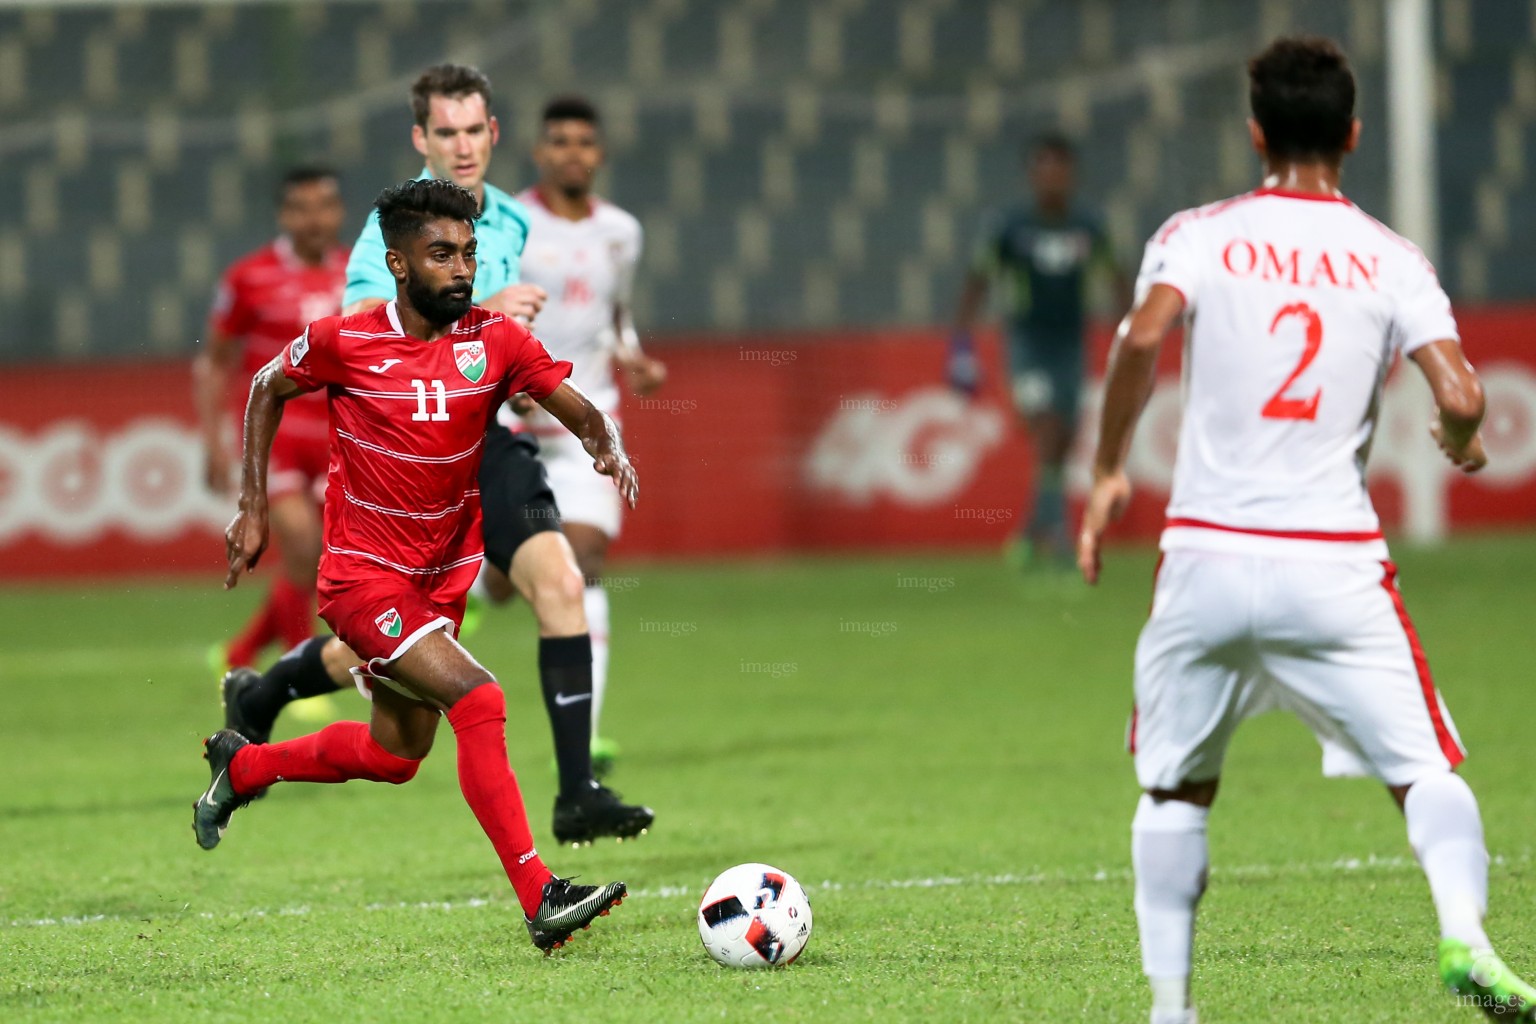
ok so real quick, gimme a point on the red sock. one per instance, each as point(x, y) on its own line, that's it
point(293, 612)
point(260, 631)
point(338, 753)
point(480, 723)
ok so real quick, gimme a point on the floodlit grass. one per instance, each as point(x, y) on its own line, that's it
point(932, 745)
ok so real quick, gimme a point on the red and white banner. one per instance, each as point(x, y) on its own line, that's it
point(757, 445)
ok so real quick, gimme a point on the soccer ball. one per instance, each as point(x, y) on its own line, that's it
point(754, 915)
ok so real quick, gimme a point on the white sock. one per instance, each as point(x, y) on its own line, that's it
point(1169, 853)
point(595, 600)
point(1446, 833)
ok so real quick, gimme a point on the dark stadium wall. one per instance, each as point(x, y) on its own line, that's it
point(762, 445)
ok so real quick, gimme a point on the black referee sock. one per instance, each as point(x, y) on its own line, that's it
point(298, 674)
point(565, 674)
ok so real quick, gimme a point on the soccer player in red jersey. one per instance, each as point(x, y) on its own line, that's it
point(264, 301)
point(456, 131)
point(411, 387)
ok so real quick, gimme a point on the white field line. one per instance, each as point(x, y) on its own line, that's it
point(1344, 865)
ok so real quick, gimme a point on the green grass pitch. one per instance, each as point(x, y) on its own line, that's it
point(932, 745)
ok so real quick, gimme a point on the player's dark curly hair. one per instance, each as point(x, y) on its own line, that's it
point(1302, 93)
point(571, 108)
point(405, 207)
point(451, 80)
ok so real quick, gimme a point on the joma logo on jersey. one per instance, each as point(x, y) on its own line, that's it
point(389, 623)
point(1243, 258)
point(469, 357)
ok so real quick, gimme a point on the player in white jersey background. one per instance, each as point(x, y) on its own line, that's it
point(583, 252)
point(1275, 589)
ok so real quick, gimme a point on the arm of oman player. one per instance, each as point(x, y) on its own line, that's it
point(643, 373)
point(1132, 371)
point(599, 436)
point(1459, 403)
point(246, 537)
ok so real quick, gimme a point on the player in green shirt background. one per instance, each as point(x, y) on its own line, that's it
point(1043, 252)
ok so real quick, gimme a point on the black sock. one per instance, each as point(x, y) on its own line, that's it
point(565, 673)
point(298, 674)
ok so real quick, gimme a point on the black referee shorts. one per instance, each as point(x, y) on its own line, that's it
point(515, 499)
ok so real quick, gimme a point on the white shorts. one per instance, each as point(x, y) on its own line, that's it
point(584, 495)
point(1233, 635)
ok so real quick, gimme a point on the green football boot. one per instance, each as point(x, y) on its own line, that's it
point(474, 615)
point(218, 660)
point(605, 755)
point(1478, 978)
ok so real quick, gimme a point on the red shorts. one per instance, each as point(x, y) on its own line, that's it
point(380, 617)
point(298, 465)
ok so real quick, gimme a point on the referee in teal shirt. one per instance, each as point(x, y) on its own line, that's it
point(455, 132)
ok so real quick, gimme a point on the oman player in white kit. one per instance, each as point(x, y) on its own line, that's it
point(583, 251)
point(1275, 588)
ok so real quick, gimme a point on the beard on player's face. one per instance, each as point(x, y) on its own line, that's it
point(438, 306)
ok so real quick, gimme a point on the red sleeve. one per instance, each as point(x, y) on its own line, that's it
point(530, 367)
point(230, 317)
point(310, 359)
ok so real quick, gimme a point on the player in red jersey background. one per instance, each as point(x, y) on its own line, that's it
point(265, 299)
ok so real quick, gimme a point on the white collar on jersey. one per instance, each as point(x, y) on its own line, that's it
point(391, 309)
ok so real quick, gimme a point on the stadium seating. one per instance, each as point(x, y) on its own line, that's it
point(797, 162)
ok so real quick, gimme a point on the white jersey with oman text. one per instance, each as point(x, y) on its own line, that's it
point(1296, 307)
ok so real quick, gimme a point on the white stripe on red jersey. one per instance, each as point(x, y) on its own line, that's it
point(1296, 306)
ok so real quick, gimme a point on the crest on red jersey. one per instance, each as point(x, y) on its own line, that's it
point(469, 357)
point(389, 623)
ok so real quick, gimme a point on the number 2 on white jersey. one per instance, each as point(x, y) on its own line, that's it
point(420, 415)
point(1279, 406)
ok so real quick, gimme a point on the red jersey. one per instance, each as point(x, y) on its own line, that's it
point(408, 419)
point(265, 300)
